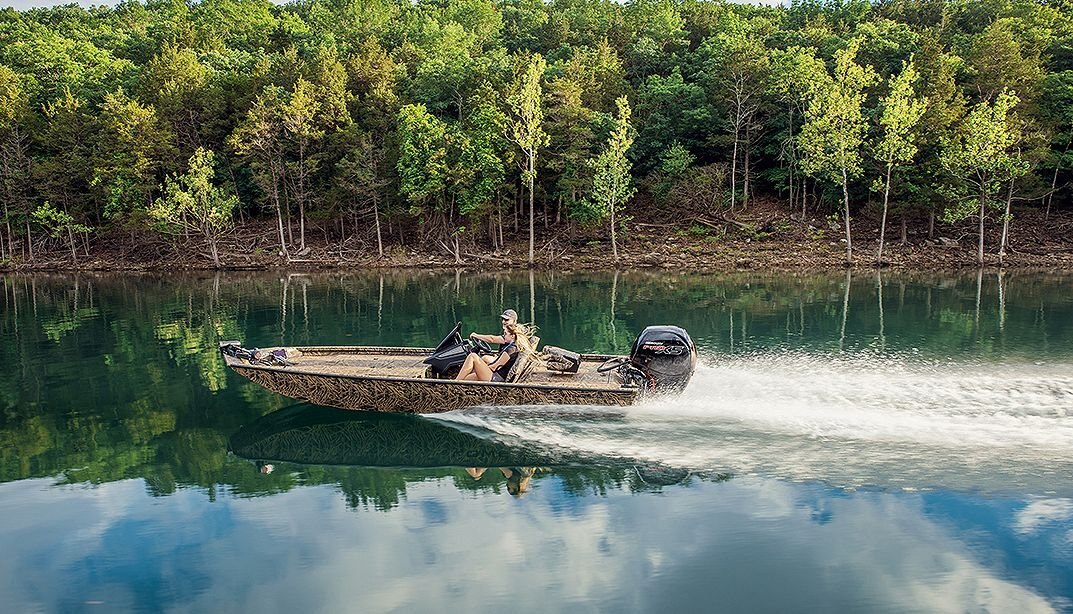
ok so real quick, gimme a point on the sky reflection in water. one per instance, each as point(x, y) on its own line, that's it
point(744, 545)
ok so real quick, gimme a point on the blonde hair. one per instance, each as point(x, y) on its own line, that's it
point(523, 335)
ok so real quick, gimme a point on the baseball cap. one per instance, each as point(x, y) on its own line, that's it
point(509, 314)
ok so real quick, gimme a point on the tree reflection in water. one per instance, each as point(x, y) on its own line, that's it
point(112, 377)
point(311, 437)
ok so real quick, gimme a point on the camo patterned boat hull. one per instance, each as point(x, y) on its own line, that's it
point(358, 389)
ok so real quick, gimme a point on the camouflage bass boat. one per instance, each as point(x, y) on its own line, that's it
point(421, 380)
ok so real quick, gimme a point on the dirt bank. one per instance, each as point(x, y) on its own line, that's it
point(765, 237)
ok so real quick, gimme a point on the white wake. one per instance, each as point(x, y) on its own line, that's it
point(857, 421)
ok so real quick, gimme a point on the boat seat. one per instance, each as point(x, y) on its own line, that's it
point(522, 367)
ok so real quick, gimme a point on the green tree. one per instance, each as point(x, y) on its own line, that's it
point(484, 152)
point(795, 71)
point(611, 185)
point(15, 118)
point(259, 139)
point(926, 180)
point(58, 222)
point(422, 164)
point(670, 110)
point(835, 127)
point(175, 83)
point(570, 138)
point(527, 132)
point(132, 146)
point(300, 117)
point(192, 202)
point(361, 174)
point(739, 69)
point(902, 110)
point(981, 157)
point(63, 168)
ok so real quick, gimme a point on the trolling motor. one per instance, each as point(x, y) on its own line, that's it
point(254, 356)
point(662, 359)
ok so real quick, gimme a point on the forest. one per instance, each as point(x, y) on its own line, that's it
point(472, 124)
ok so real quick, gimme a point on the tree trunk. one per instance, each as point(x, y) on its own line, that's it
point(734, 170)
point(614, 241)
point(10, 235)
point(883, 218)
point(1050, 195)
point(790, 162)
point(532, 206)
point(905, 232)
point(980, 249)
point(282, 239)
point(1005, 225)
point(301, 197)
point(931, 223)
point(845, 197)
point(71, 238)
point(29, 240)
point(376, 219)
point(215, 253)
point(748, 146)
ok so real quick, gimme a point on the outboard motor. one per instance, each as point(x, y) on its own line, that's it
point(666, 356)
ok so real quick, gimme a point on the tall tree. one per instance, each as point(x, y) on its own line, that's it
point(527, 132)
point(259, 139)
point(361, 174)
point(795, 71)
point(174, 82)
point(15, 118)
point(570, 130)
point(611, 187)
point(902, 110)
point(422, 161)
point(980, 158)
point(63, 169)
point(132, 146)
point(739, 68)
point(835, 127)
point(300, 117)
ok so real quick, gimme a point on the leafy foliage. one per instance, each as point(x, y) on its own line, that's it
point(100, 106)
point(192, 202)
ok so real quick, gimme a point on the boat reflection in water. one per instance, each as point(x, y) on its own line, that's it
point(314, 435)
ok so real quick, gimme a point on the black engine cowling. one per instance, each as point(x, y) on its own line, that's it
point(667, 357)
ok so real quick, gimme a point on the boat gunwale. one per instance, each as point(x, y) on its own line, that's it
point(402, 351)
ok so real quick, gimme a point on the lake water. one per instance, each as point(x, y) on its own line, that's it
point(877, 443)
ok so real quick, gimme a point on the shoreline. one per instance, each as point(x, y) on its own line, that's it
point(773, 241)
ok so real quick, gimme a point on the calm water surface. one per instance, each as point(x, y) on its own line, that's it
point(867, 443)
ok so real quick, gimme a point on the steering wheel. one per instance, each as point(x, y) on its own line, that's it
point(612, 363)
point(481, 345)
